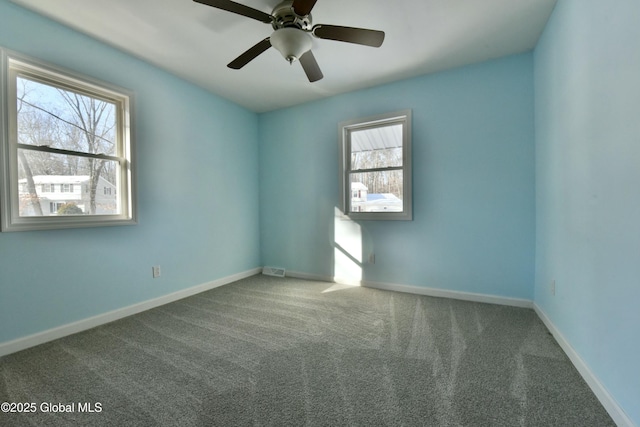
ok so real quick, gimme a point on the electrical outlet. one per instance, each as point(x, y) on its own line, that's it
point(553, 288)
point(156, 271)
point(372, 258)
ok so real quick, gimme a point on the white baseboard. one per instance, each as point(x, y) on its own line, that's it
point(610, 405)
point(18, 344)
point(419, 290)
point(309, 276)
point(445, 293)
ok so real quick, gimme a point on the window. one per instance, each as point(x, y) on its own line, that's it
point(64, 133)
point(375, 167)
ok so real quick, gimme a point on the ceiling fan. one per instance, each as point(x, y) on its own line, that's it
point(292, 24)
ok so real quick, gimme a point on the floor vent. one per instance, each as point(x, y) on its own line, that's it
point(273, 271)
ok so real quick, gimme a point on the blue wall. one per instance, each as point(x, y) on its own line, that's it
point(473, 181)
point(587, 104)
point(197, 195)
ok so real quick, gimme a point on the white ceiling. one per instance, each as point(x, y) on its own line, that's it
point(196, 42)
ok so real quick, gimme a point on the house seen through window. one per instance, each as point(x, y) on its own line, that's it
point(69, 146)
point(376, 167)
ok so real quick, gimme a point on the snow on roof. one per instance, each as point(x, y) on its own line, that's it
point(382, 196)
point(58, 179)
point(358, 186)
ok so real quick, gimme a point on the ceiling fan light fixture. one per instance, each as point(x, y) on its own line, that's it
point(293, 28)
point(292, 43)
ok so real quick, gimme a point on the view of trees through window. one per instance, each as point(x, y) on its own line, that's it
point(64, 141)
point(376, 169)
point(381, 181)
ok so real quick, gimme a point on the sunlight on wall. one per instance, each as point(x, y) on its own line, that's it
point(348, 258)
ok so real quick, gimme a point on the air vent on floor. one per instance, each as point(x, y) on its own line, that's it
point(273, 271)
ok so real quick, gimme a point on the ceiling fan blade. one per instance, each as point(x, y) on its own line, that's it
point(240, 9)
point(363, 36)
point(303, 7)
point(310, 66)
point(250, 54)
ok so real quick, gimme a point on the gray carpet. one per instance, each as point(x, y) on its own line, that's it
point(281, 352)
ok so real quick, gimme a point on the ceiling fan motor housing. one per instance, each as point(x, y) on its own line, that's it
point(285, 17)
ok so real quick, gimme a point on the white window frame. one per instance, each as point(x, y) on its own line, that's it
point(13, 64)
point(344, 129)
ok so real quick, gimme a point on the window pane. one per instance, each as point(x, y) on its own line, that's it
point(377, 147)
point(57, 184)
point(376, 191)
point(59, 118)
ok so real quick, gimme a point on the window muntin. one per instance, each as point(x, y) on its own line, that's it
point(65, 134)
point(376, 167)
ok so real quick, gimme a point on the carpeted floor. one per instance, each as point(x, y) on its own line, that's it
point(281, 352)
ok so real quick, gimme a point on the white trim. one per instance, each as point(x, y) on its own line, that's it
point(309, 276)
point(344, 163)
point(419, 290)
point(445, 293)
point(321, 278)
point(610, 405)
point(18, 344)
point(15, 64)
